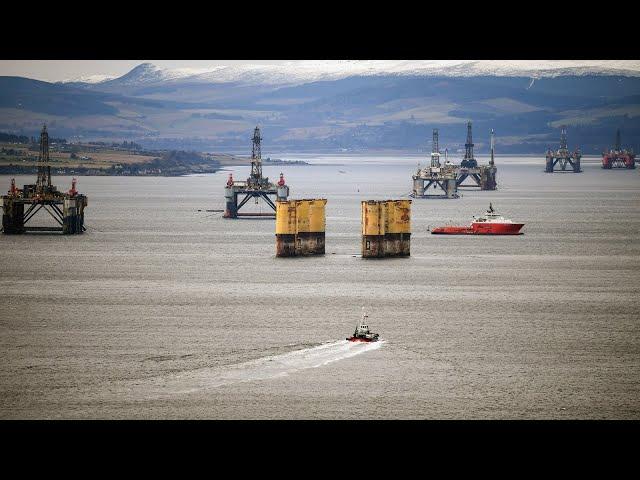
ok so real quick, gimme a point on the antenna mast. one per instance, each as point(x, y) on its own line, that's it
point(491, 162)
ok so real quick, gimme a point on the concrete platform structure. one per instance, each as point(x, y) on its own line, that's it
point(300, 227)
point(386, 228)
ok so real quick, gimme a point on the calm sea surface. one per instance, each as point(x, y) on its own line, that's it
point(163, 311)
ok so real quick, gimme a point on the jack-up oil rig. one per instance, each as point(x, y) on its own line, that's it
point(449, 177)
point(618, 158)
point(562, 156)
point(256, 187)
point(43, 195)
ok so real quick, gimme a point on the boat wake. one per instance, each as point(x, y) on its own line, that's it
point(264, 368)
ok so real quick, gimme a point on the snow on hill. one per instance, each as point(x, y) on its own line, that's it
point(297, 72)
point(90, 79)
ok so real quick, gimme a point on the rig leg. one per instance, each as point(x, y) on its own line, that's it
point(488, 179)
point(12, 217)
point(451, 188)
point(418, 187)
point(73, 215)
point(576, 166)
point(231, 203)
point(549, 165)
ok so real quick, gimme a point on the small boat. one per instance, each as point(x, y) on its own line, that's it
point(362, 333)
point(490, 223)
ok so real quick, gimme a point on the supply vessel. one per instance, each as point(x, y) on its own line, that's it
point(362, 332)
point(491, 223)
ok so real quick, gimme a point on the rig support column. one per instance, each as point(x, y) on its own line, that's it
point(73, 214)
point(231, 201)
point(451, 187)
point(12, 216)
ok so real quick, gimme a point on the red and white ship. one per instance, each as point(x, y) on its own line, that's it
point(490, 223)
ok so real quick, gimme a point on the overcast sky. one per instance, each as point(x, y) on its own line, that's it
point(57, 70)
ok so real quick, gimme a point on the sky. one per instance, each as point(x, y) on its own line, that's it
point(61, 70)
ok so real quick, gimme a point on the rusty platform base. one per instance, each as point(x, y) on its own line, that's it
point(388, 245)
point(300, 245)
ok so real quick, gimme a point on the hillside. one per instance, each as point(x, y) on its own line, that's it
point(348, 107)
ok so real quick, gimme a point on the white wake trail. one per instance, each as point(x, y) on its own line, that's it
point(260, 369)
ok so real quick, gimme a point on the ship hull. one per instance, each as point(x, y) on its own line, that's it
point(496, 228)
point(452, 231)
point(358, 339)
point(481, 229)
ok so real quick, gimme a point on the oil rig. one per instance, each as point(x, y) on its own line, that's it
point(618, 158)
point(446, 178)
point(483, 176)
point(562, 156)
point(255, 187)
point(43, 195)
point(442, 178)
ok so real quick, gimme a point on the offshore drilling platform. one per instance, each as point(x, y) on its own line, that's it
point(447, 178)
point(562, 156)
point(442, 178)
point(255, 187)
point(43, 195)
point(618, 158)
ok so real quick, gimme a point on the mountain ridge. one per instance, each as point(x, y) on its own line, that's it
point(362, 112)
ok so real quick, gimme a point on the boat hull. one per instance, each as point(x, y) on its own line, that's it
point(359, 339)
point(452, 231)
point(481, 229)
point(496, 228)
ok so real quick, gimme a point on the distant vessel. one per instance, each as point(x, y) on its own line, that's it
point(489, 224)
point(362, 333)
